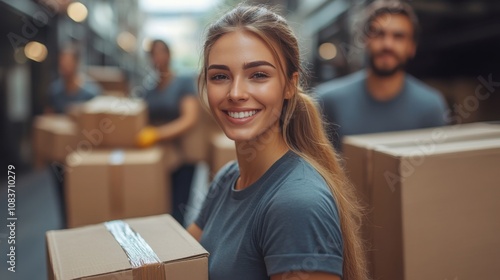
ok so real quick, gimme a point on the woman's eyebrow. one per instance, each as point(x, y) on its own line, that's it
point(256, 64)
point(245, 66)
point(218, 66)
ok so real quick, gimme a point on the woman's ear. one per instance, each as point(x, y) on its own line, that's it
point(294, 84)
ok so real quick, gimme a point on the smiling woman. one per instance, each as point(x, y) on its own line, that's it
point(288, 212)
point(240, 77)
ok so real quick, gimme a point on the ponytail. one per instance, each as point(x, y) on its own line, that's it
point(304, 133)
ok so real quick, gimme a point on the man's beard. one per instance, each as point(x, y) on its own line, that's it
point(387, 72)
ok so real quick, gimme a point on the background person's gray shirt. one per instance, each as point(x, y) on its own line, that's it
point(164, 105)
point(60, 100)
point(286, 221)
point(350, 109)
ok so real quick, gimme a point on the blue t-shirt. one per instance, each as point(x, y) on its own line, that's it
point(60, 100)
point(286, 221)
point(164, 104)
point(349, 107)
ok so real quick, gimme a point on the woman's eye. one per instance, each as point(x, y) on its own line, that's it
point(260, 75)
point(218, 77)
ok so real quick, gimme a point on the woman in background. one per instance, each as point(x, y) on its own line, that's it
point(173, 110)
point(285, 209)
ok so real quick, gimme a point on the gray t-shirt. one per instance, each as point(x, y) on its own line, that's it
point(350, 109)
point(164, 104)
point(286, 221)
point(60, 100)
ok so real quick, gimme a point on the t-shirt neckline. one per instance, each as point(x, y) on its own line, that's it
point(248, 191)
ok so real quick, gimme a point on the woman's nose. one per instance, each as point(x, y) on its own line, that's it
point(238, 91)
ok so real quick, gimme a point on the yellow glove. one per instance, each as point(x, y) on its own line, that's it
point(147, 137)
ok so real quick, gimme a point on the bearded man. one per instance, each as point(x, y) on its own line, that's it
point(382, 97)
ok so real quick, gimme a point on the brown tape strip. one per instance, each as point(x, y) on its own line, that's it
point(143, 260)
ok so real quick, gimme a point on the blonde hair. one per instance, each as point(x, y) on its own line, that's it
point(300, 123)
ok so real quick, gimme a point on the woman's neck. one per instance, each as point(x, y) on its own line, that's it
point(256, 156)
point(72, 84)
point(164, 78)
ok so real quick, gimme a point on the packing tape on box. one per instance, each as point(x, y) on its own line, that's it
point(116, 160)
point(144, 261)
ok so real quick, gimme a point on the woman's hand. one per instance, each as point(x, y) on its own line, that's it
point(147, 137)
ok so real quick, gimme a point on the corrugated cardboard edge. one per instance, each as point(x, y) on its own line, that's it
point(52, 258)
point(394, 230)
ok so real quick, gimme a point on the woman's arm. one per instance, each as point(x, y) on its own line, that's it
point(195, 231)
point(189, 113)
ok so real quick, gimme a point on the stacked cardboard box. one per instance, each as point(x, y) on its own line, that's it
point(432, 199)
point(100, 251)
point(111, 79)
point(113, 122)
point(195, 144)
point(222, 151)
point(55, 136)
point(102, 185)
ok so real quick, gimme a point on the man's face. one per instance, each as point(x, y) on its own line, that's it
point(390, 43)
point(68, 65)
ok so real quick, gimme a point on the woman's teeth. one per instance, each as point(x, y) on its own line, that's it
point(241, 115)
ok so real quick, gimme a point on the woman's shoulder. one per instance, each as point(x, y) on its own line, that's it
point(303, 186)
point(228, 171)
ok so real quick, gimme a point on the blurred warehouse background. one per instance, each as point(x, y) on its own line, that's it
point(459, 43)
point(457, 53)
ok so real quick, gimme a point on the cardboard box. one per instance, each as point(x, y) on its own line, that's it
point(432, 199)
point(102, 185)
point(93, 252)
point(195, 144)
point(222, 150)
point(108, 77)
point(54, 136)
point(113, 122)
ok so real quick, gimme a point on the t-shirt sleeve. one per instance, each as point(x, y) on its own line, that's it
point(220, 180)
point(301, 231)
point(188, 87)
point(435, 114)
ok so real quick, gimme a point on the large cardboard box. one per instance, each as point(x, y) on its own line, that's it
point(102, 185)
point(93, 252)
point(54, 137)
point(195, 143)
point(109, 121)
point(432, 199)
point(222, 151)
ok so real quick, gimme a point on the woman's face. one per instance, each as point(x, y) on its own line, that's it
point(160, 57)
point(245, 86)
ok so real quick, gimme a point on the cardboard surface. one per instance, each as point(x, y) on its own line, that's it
point(195, 144)
point(109, 121)
point(432, 208)
point(91, 252)
point(54, 136)
point(108, 77)
point(104, 185)
point(223, 151)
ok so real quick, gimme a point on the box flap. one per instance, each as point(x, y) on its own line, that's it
point(105, 157)
point(92, 250)
point(441, 148)
point(114, 105)
point(55, 123)
point(173, 242)
point(443, 134)
point(85, 251)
